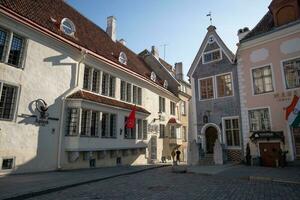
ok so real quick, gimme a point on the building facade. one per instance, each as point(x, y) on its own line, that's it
point(175, 135)
point(66, 92)
point(268, 66)
point(215, 101)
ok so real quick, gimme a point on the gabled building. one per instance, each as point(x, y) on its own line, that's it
point(176, 128)
point(268, 66)
point(67, 87)
point(215, 101)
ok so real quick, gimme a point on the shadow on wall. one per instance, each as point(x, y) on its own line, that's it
point(40, 140)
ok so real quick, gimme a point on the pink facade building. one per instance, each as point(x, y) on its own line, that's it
point(268, 62)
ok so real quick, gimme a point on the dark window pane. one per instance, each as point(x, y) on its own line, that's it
point(15, 50)
point(7, 163)
point(7, 101)
point(2, 42)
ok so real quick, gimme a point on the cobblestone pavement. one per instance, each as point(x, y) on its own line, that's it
point(161, 183)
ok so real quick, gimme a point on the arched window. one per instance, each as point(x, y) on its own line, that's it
point(67, 26)
point(123, 58)
point(153, 76)
point(166, 84)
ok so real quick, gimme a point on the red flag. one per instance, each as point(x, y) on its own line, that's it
point(130, 123)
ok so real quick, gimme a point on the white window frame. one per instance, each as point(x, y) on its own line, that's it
point(224, 132)
point(7, 47)
point(283, 75)
point(258, 108)
point(209, 52)
point(172, 103)
point(214, 88)
point(73, 28)
point(252, 80)
point(14, 118)
point(232, 84)
point(131, 93)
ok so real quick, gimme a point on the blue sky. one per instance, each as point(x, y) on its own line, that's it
point(179, 24)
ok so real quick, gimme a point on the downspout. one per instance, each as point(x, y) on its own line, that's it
point(83, 55)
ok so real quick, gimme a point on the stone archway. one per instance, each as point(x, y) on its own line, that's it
point(209, 130)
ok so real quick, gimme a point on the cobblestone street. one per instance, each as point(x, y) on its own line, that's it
point(161, 183)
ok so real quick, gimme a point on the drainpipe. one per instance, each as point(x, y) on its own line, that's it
point(83, 55)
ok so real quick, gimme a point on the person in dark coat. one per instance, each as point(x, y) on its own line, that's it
point(178, 156)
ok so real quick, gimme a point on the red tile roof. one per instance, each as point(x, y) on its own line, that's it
point(88, 34)
point(265, 25)
point(105, 100)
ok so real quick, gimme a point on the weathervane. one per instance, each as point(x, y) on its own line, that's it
point(210, 17)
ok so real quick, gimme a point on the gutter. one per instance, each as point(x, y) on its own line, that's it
point(83, 55)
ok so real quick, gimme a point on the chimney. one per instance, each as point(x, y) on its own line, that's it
point(178, 71)
point(111, 28)
point(122, 41)
point(242, 33)
point(155, 52)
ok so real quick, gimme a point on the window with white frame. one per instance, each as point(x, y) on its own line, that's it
point(206, 88)
point(96, 81)
point(72, 121)
point(87, 77)
point(67, 26)
point(183, 107)
point(130, 93)
point(224, 85)
point(162, 105)
point(11, 48)
point(211, 56)
point(262, 80)
point(259, 119)
point(139, 129)
point(129, 133)
point(162, 131)
point(291, 70)
point(85, 122)
point(183, 88)
point(108, 85)
point(108, 125)
point(173, 131)
point(172, 108)
point(232, 132)
point(8, 100)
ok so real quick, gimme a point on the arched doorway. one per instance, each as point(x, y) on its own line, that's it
point(211, 135)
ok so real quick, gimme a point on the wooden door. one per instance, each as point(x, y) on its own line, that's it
point(269, 153)
point(211, 135)
point(296, 133)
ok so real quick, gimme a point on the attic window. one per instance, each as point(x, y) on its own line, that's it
point(153, 76)
point(123, 58)
point(211, 39)
point(166, 84)
point(67, 26)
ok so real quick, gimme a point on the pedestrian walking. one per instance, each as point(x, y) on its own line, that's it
point(178, 156)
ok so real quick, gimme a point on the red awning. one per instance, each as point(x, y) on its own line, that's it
point(174, 121)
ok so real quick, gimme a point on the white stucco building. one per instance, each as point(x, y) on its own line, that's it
point(89, 82)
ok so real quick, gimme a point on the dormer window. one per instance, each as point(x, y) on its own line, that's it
point(166, 84)
point(153, 76)
point(67, 26)
point(211, 56)
point(123, 58)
